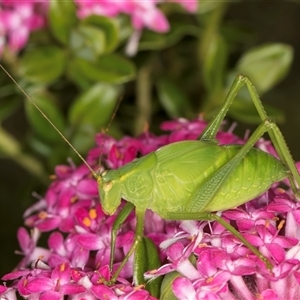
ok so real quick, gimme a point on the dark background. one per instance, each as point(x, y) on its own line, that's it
point(271, 21)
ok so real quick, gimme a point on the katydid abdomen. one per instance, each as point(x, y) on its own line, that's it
point(166, 180)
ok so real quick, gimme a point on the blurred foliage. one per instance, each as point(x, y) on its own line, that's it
point(77, 70)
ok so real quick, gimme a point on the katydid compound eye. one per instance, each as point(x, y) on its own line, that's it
point(107, 186)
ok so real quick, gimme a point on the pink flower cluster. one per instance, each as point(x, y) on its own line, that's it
point(18, 19)
point(142, 13)
point(211, 262)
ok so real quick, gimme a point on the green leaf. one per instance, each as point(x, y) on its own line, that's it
point(108, 26)
point(62, 17)
point(153, 263)
point(38, 122)
point(111, 68)
point(146, 258)
point(166, 292)
point(174, 101)
point(88, 41)
point(140, 262)
point(266, 65)
point(92, 110)
point(74, 73)
point(43, 64)
point(95, 106)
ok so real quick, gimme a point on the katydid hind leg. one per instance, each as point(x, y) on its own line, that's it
point(238, 235)
point(277, 140)
point(211, 130)
point(274, 132)
point(208, 190)
point(208, 216)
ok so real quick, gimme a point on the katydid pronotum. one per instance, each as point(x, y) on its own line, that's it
point(194, 179)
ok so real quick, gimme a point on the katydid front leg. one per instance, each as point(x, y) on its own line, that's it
point(137, 239)
point(122, 216)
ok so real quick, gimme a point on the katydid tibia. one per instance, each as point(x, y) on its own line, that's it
point(195, 179)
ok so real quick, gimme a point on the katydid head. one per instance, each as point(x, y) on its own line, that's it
point(108, 182)
point(109, 187)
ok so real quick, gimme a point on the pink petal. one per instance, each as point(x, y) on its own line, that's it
point(38, 285)
point(72, 289)
point(3, 289)
point(50, 295)
point(276, 251)
point(183, 289)
point(56, 243)
point(61, 273)
point(90, 241)
point(15, 275)
point(88, 187)
point(48, 224)
point(23, 238)
point(103, 292)
point(189, 5)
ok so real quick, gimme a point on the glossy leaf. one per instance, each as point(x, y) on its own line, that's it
point(111, 68)
point(95, 106)
point(74, 73)
point(174, 101)
point(43, 64)
point(108, 26)
point(140, 263)
point(62, 17)
point(91, 111)
point(153, 263)
point(166, 292)
point(266, 65)
point(88, 42)
point(39, 124)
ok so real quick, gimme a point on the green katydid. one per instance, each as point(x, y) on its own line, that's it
point(194, 179)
